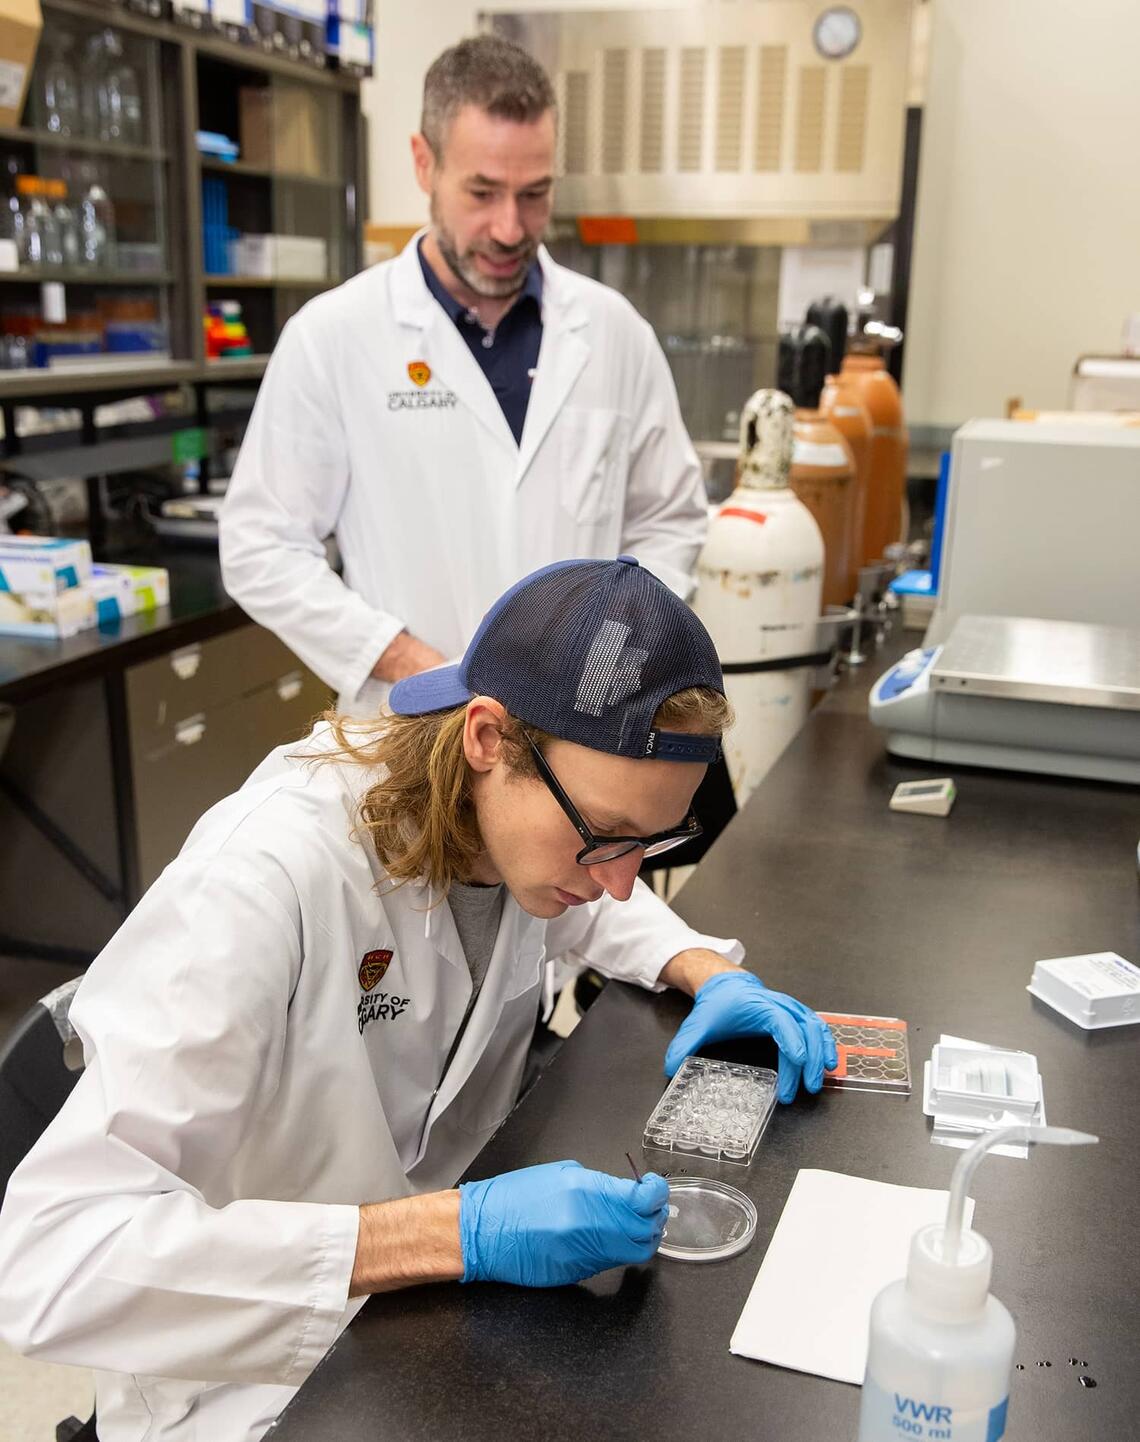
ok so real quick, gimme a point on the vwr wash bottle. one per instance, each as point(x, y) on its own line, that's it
point(941, 1348)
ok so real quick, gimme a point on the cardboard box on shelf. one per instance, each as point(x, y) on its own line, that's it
point(112, 593)
point(290, 257)
point(281, 128)
point(132, 588)
point(59, 614)
point(20, 26)
point(42, 565)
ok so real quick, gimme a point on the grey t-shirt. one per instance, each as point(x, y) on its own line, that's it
point(477, 911)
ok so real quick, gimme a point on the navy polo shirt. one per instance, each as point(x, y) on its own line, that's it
point(508, 354)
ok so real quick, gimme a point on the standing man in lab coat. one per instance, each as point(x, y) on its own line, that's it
point(458, 415)
point(316, 1017)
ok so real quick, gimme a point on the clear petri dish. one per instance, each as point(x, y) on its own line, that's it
point(708, 1220)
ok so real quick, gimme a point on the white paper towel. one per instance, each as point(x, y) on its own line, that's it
point(838, 1243)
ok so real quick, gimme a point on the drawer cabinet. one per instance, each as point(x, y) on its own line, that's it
point(199, 721)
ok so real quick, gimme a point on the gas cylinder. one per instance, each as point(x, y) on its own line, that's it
point(886, 485)
point(823, 468)
point(839, 401)
point(830, 315)
point(759, 585)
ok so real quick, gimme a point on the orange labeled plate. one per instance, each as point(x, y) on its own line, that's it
point(873, 1054)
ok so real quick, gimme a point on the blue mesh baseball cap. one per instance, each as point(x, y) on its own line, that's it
point(583, 650)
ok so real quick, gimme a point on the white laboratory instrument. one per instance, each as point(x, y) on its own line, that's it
point(189, 518)
point(924, 798)
point(1056, 697)
point(1041, 520)
point(1105, 383)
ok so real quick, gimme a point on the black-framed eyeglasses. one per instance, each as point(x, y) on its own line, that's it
point(608, 848)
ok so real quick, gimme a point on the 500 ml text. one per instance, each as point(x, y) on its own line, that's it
point(925, 1420)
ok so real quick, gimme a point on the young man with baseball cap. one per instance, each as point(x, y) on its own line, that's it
point(320, 1012)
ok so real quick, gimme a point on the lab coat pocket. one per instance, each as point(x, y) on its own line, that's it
point(590, 470)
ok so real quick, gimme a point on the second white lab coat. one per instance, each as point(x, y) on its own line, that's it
point(435, 509)
point(187, 1224)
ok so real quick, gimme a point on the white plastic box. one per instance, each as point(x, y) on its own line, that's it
point(33, 566)
point(983, 1086)
point(1096, 990)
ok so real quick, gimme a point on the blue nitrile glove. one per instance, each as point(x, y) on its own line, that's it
point(737, 1004)
point(558, 1223)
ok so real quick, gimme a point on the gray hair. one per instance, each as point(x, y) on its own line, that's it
point(496, 75)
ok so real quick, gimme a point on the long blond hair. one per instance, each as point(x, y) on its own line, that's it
point(420, 814)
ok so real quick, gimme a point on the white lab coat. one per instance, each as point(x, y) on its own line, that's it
point(435, 509)
point(187, 1224)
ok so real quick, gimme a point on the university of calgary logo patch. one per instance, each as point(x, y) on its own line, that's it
point(373, 965)
point(419, 372)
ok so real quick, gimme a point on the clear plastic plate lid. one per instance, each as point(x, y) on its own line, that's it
point(708, 1220)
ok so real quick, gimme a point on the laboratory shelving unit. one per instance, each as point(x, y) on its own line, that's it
point(95, 704)
point(307, 182)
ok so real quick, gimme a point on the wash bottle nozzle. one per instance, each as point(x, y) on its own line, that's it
point(967, 1165)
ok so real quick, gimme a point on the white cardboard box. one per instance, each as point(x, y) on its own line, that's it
point(139, 588)
point(58, 614)
point(113, 594)
point(42, 565)
point(293, 257)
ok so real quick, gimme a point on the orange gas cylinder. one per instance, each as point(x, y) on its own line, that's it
point(823, 477)
point(886, 487)
point(841, 405)
point(823, 468)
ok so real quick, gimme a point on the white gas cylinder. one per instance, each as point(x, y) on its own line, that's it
point(759, 589)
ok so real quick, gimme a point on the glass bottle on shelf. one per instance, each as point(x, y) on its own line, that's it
point(66, 222)
point(40, 236)
point(91, 73)
point(108, 97)
point(117, 98)
point(111, 99)
point(126, 85)
point(14, 353)
point(14, 214)
point(51, 249)
point(59, 91)
point(97, 239)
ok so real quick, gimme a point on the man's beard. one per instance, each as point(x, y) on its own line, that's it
point(465, 268)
